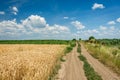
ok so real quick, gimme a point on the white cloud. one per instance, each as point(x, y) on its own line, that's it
point(14, 10)
point(65, 17)
point(118, 20)
point(87, 33)
point(78, 24)
point(103, 28)
point(2, 12)
point(112, 28)
point(15, 13)
point(34, 24)
point(34, 21)
point(55, 29)
point(111, 22)
point(102, 32)
point(98, 6)
point(11, 27)
point(95, 31)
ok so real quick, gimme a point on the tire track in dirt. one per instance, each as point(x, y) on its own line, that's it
point(72, 68)
point(102, 70)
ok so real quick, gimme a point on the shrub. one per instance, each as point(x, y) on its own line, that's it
point(68, 49)
point(114, 52)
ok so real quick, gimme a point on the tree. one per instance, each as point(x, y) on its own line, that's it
point(91, 37)
point(80, 39)
point(74, 40)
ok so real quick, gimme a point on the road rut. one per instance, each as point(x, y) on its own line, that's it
point(102, 70)
point(72, 68)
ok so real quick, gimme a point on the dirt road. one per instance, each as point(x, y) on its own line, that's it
point(72, 68)
point(102, 70)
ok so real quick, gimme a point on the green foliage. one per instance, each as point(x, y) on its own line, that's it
point(80, 39)
point(109, 42)
point(114, 52)
point(82, 58)
point(89, 71)
point(34, 41)
point(68, 49)
point(91, 37)
point(79, 44)
point(74, 40)
point(54, 71)
point(79, 47)
point(108, 55)
point(61, 59)
point(57, 67)
point(73, 43)
point(78, 50)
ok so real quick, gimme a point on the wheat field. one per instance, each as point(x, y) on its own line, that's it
point(28, 61)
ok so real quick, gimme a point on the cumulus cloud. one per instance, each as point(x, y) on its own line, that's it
point(95, 31)
point(98, 6)
point(14, 10)
point(118, 20)
point(78, 24)
point(34, 24)
point(34, 21)
point(103, 28)
point(11, 27)
point(65, 17)
point(88, 32)
point(2, 12)
point(101, 32)
point(111, 22)
point(57, 29)
point(112, 28)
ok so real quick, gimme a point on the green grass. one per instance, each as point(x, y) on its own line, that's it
point(55, 71)
point(68, 49)
point(61, 59)
point(72, 43)
point(89, 71)
point(34, 41)
point(79, 47)
point(57, 66)
point(109, 56)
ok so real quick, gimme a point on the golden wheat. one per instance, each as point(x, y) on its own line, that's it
point(28, 62)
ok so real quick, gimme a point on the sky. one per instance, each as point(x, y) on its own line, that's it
point(59, 19)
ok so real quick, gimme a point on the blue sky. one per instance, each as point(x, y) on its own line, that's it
point(59, 19)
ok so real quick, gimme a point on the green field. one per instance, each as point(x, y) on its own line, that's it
point(34, 41)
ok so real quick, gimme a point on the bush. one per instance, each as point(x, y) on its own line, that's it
point(72, 43)
point(108, 55)
point(114, 52)
point(68, 49)
point(78, 50)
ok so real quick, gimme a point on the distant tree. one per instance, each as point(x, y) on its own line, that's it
point(92, 39)
point(74, 39)
point(80, 39)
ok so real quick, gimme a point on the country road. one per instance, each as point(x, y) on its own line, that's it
point(72, 68)
point(102, 70)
